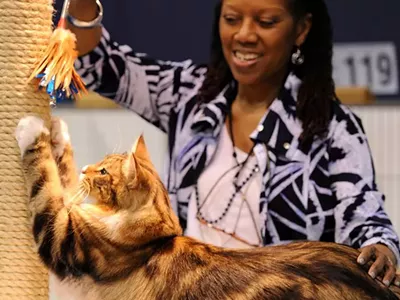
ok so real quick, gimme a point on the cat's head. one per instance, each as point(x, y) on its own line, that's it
point(123, 181)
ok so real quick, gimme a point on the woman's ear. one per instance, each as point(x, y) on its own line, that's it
point(302, 29)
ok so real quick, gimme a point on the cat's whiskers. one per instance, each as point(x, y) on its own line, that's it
point(84, 195)
point(75, 198)
point(80, 195)
point(86, 186)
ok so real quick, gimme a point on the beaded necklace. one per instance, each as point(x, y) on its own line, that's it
point(238, 186)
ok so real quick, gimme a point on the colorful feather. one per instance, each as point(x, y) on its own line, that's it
point(55, 71)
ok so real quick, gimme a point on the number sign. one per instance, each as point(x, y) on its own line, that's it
point(367, 64)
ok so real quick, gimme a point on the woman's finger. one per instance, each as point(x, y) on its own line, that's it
point(390, 273)
point(366, 255)
point(378, 266)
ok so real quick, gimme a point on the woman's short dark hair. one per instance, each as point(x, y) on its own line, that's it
point(317, 92)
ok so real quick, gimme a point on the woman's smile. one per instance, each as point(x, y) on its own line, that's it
point(245, 60)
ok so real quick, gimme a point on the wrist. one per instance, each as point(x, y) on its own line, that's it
point(89, 18)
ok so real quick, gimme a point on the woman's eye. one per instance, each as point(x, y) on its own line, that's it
point(230, 19)
point(266, 23)
point(103, 172)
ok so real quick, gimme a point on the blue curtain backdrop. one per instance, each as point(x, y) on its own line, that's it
point(180, 29)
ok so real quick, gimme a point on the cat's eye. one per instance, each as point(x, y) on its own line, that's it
point(103, 172)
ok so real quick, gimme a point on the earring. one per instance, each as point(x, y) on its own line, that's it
point(297, 57)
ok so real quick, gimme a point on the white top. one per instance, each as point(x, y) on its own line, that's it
point(241, 213)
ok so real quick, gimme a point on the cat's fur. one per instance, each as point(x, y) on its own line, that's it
point(129, 245)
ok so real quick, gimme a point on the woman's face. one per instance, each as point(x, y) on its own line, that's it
point(258, 37)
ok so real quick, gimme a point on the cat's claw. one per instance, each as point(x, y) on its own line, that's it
point(59, 136)
point(28, 130)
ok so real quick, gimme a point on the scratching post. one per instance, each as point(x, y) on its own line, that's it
point(25, 28)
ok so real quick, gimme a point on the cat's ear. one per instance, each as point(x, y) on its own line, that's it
point(139, 149)
point(129, 168)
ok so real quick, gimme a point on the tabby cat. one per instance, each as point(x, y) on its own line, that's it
point(127, 244)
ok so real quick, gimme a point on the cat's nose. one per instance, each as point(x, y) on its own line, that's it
point(84, 169)
point(83, 172)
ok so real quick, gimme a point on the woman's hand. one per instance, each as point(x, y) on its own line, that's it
point(384, 263)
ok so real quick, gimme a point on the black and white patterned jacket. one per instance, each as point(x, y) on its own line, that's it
point(327, 194)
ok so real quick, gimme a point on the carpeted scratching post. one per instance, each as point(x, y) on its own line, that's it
point(25, 28)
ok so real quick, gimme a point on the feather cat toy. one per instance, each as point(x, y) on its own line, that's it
point(55, 70)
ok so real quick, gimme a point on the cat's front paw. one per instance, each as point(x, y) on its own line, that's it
point(28, 130)
point(59, 136)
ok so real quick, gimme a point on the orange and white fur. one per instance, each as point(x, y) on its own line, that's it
point(84, 244)
point(128, 244)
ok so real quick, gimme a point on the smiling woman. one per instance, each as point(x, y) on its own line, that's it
point(261, 151)
point(281, 35)
point(258, 39)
